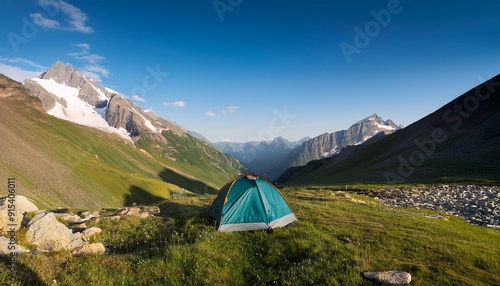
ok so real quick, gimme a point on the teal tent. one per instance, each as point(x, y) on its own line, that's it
point(249, 202)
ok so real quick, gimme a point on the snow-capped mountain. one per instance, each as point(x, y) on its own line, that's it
point(68, 94)
point(330, 144)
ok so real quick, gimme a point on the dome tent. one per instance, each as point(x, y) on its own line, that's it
point(248, 202)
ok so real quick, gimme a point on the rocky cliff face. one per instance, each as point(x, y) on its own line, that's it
point(48, 99)
point(329, 144)
point(119, 114)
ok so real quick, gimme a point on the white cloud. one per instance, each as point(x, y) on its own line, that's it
point(230, 109)
point(96, 68)
point(209, 113)
point(175, 103)
point(22, 61)
point(41, 21)
point(74, 20)
point(17, 73)
point(93, 76)
point(20, 69)
point(138, 98)
point(83, 46)
point(93, 69)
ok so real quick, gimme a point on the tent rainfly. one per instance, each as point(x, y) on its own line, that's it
point(249, 202)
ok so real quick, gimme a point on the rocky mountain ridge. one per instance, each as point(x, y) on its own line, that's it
point(459, 141)
point(114, 108)
point(329, 144)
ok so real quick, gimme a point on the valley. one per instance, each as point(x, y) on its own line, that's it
point(373, 197)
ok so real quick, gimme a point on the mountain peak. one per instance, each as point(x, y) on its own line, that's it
point(89, 91)
point(59, 71)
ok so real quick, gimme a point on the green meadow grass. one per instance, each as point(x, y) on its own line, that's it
point(335, 241)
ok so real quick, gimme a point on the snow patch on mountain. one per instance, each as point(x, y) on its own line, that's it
point(76, 110)
point(102, 96)
point(111, 90)
point(386, 127)
point(146, 122)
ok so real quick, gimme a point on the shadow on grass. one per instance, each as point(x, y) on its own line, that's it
point(181, 211)
point(139, 196)
point(191, 185)
point(23, 275)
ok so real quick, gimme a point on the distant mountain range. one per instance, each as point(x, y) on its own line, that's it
point(272, 158)
point(260, 157)
point(459, 142)
point(114, 155)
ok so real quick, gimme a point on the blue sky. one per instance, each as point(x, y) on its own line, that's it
point(251, 70)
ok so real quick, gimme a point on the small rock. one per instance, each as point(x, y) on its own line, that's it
point(81, 220)
point(89, 232)
point(393, 278)
point(154, 210)
point(78, 226)
point(435, 217)
point(129, 211)
point(113, 217)
point(94, 248)
point(69, 218)
point(90, 214)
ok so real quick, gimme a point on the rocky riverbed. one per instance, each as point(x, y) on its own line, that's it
point(476, 204)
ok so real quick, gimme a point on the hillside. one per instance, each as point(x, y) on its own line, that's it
point(59, 163)
point(458, 142)
point(68, 94)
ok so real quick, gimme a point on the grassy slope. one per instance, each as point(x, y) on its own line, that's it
point(58, 163)
point(334, 242)
point(194, 157)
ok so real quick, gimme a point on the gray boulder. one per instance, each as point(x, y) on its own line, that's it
point(91, 231)
point(94, 248)
point(7, 247)
point(393, 278)
point(48, 234)
point(19, 207)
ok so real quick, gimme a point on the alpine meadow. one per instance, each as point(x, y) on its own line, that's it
point(249, 142)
